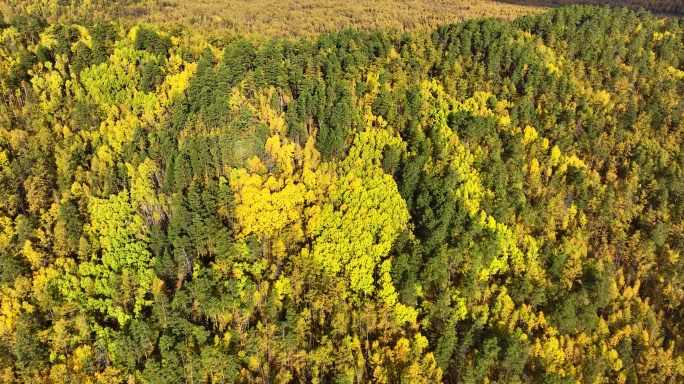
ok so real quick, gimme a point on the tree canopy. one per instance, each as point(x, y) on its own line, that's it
point(487, 201)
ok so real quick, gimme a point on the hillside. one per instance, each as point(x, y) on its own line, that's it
point(277, 18)
point(664, 7)
point(492, 201)
point(307, 18)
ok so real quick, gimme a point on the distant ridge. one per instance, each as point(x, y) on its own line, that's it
point(670, 7)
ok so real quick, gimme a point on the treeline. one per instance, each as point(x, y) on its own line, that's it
point(484, 202)
point(672, 7)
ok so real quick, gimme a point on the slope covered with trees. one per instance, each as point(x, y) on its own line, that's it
point(271, 18)
point(657, 6)
point(487, 201)
point(295, 19)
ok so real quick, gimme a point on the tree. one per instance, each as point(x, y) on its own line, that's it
point(119, 278)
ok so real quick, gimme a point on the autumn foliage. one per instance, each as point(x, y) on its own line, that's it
point(487, 201)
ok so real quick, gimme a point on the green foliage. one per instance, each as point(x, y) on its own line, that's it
point(119, 280)
point(487, 201)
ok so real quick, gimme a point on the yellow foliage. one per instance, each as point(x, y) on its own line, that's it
point(283, 287)
point(266, 212)
point(7, 233)
point(142, 186)
point(602, 97)
point(255, 165)
point(281, 154)
point(549, 349)
point(175, 84)
point(555, 155)
point(529, 135)
point(676, 73)
point(35, 257)
point(10, 309)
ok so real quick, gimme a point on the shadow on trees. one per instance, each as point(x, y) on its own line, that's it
point(660, 7)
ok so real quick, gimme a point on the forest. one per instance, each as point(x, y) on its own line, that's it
point(488, 201)
point(294, 19)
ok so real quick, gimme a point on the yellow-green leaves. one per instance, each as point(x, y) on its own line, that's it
point(7, 233)
point(358, 226)
point(350, 213)
point(114, 86)
point(117, 281)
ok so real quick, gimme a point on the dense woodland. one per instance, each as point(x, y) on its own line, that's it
point(487, 201)
point(258, 19)
point(659, 6)
point(293, 19)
